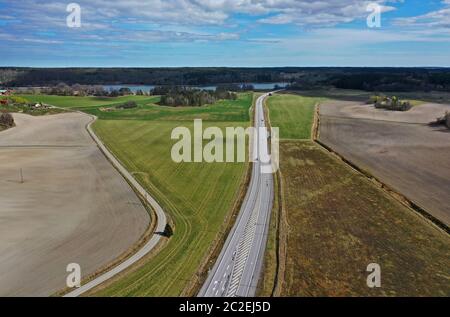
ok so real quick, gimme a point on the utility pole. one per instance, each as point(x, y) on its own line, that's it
point(21, 176)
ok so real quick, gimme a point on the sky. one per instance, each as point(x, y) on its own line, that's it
point(234, 33)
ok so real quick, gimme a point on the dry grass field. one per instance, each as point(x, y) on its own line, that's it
point(338, 222)
point(399, 148)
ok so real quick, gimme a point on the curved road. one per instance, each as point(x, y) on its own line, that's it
point(160, 227)
point(238, 268)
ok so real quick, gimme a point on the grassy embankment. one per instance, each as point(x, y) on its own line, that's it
point(335, 222)
point(23, 108)
point(197, 196)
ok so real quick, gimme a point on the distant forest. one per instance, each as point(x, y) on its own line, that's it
point(371, 79)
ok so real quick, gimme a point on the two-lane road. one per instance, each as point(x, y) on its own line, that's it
point(238, 268)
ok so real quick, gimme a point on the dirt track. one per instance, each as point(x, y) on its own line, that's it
point(399, 148)
point(73, 206)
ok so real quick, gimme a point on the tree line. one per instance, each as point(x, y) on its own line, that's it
point(372, 79)
point(189, 97)
point(21, 77)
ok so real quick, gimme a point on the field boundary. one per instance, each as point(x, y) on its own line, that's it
point(144, 248)
point(399, 197)
point(280, 224)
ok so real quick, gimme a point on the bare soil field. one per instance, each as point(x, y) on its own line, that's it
point(401, 149)
point(72, 207)
point(440, 97)
point(336, 222)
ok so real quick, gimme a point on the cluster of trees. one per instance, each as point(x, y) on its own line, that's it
point(188, 97)
point(7, 120)
point(127, 105)
point(390, 103)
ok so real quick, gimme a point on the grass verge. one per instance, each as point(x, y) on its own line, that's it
point(293, 114)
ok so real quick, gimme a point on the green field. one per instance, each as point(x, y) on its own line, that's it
point(293, 114)
point(147, 108)
point(80, 102)
point(197, 196)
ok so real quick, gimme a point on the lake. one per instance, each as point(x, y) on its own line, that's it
point(135, 88)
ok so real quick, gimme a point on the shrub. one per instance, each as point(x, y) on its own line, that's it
point(7, 120)
point(393, 104)
point(445, 120)
point(127, 105)
point(18, 100)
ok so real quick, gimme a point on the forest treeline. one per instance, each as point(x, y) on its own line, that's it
point(371, 79)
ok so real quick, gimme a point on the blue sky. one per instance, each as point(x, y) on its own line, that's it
point(248, 33)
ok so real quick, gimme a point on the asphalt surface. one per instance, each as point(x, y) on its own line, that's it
point(149, 246)
point(238, 268)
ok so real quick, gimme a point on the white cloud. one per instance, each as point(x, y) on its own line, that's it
point(321, 13)
point(439, 18)
point(205, 12)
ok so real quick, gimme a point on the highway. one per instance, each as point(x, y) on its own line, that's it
point(238, 268)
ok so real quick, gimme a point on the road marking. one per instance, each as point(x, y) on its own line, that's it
point(245, 237)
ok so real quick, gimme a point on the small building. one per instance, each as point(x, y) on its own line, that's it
point(6, 92)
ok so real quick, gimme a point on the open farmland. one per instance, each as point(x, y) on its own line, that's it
point(81, 102)
point(72, 206)
point(415, 97)
point(334, 223)
point(197, 197)
point(401, 149)
point(337, 223)
point(293, 114)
